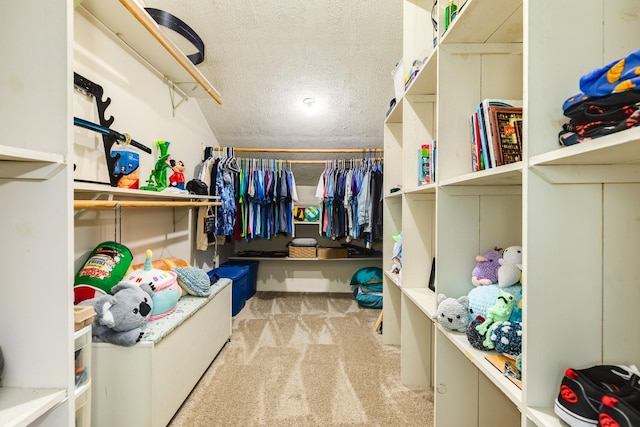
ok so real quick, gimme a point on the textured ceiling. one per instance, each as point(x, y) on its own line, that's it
point(265, 56)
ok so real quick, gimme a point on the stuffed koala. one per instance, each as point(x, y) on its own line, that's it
point(120, 315)
point(453, 313)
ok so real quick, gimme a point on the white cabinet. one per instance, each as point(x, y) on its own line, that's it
point(573, 209)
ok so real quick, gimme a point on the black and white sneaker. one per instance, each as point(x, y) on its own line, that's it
point(579, 400)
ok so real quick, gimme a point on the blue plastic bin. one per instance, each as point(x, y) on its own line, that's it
point(239, 274)
point(252, 284)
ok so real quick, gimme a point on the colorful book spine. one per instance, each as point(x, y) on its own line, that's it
point(424, 164)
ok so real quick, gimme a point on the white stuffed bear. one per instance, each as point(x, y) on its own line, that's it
point(453, 314)
point(510, 266)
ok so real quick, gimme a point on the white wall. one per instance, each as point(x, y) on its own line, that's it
point(141, 106)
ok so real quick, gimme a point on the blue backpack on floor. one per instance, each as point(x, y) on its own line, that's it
point(367, 287)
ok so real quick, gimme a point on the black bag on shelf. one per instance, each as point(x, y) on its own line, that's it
point(195, 186)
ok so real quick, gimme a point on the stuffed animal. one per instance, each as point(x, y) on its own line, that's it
point(453, 313)
point(510, 268)
point(497, 313)
point(167, 291)
point(507, 338)
point(486, 270)
point(475, 338)
point(120, 315)
point(483, 297)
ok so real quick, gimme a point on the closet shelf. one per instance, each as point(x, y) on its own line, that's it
point(395, 278)
point(497, 21)
point(477, 357)
point(100, 189)
point(109, 204)
point(22, 406)
point(22, 163)
point(510, 174)
point(614, 149)
point(303, 259)
point(425, 83)
point(131, 23)
point(424, 299)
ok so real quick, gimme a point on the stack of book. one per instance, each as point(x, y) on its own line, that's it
point(496, 129)
point(426, 163)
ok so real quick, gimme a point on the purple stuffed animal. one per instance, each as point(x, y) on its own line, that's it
point(486, 270)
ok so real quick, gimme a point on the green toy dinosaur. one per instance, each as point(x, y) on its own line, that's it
point(158, 179)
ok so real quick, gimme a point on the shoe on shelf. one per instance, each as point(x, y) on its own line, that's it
point(621, 411)
point(581, 391)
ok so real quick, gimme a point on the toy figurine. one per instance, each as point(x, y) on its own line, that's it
point(177, 178)
point(158, 179)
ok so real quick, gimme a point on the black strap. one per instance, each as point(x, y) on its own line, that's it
point(176, 24)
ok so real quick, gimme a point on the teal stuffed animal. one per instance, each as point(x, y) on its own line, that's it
point(497, 313)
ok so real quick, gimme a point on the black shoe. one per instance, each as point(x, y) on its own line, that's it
point(579, 401)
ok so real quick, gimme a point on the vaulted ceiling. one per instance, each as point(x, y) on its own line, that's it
point(266, 56)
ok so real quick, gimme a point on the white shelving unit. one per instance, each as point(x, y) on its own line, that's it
point(82, 346)
point(36, 304)
point(36, 180)
point(573, 209)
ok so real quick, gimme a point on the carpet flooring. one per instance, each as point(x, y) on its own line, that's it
point(305, 359)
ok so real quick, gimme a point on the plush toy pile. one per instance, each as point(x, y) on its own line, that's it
point(491, 313)
point(143, 294)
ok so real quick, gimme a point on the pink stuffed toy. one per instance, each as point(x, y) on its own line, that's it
point(486, 270)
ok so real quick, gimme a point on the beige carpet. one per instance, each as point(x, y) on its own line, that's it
point(305, 359)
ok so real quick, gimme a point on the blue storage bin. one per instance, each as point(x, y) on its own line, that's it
point(239, 274)
point(252, 284)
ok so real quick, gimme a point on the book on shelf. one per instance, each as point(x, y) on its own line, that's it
point(486, 143)
point(477, 157)
point(506, 124)
point(424, 164)
point(482, 132)
point(507, 366)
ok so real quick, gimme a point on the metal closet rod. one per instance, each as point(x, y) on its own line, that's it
point(299, 150)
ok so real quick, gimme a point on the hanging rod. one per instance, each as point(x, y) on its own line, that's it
point(317, 161)
point(299, 150)
point(109, 204)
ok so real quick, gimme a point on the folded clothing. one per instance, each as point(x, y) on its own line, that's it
point(618, 76)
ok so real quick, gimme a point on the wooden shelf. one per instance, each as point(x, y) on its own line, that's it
point(22, 163)
point(131, 23)
point(21, 406)
point(477, 357)
point(424, 299)
point(305, 259)
point(109, 204)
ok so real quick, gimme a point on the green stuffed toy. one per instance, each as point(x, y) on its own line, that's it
point(497, 313)
point(120, 316)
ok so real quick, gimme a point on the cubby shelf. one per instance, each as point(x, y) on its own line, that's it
point(22, 406)
point(581, 199)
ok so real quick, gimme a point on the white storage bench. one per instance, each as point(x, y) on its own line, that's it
point(144, 385)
